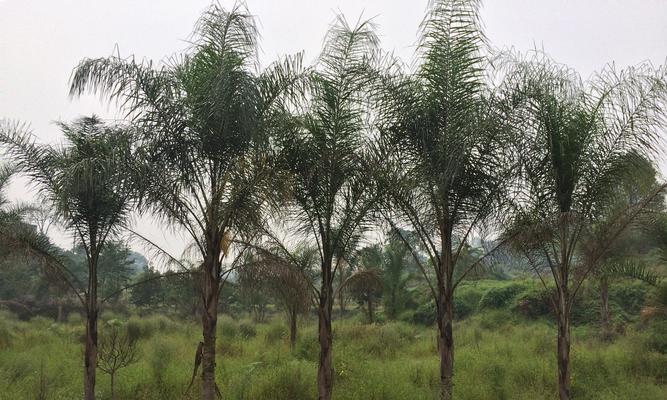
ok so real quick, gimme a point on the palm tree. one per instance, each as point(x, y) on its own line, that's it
point(396, 275)
point(345, 270)
point(626, 257)
point(327, 158)
point(88, 182)
point(574, 141)
point(206, 117)
point(365, 284)
point(286, 274)
point(445, 165)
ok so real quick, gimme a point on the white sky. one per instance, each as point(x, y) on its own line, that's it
point(42, 40)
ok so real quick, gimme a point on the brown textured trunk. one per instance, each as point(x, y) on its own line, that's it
point(325, 373)
point(292, 328)
point(210, 293)
point(90, 352)
point(59, 316)
point(445, 309)
point(446, 343)
point(563, 348)
point(341, 281)
point(371, 316)
point(113, 386)
point(90, 355)
point(564, 358)
point(605, 313)
point(563, 303)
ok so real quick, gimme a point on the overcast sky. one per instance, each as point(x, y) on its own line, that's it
point(42, 40)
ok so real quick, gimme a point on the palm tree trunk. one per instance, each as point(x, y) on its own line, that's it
point(210, 294)
point(605, 313)
point(446, 343)
point(371, 317)
point(59, 316)
point(563, 351)
point(292, 328)
point(341, 295)
point(325, 374)
point(392, 311)
point(113, 386)
point(90, 353)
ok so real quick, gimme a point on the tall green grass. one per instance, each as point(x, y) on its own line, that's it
point(499, 355)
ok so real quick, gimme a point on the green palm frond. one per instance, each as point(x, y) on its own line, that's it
point(443, 137)
point(204, 119)
point(324, 148)
point(634, 269)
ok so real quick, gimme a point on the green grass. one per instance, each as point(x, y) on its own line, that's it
point(499, 355)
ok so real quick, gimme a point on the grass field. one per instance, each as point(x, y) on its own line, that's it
point(498, 356)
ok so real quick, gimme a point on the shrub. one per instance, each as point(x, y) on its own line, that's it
point(247, 330)
point(425, 314)
point(495, 319)
point(585, 310)
point(133, 327)
point(630, 297)
point(109, 315)
point(289, 381)
point(227, 327)
point(229, 348)
point(471, 293)
point(42, 322)
point(160, 358)
point(533, 303)
point(17, 368)
point(6, 335)
point(383, 343)
point(461, 308)
point(146, 327)
point(407, 316)
point(501, 296)
point(275, 333)
point(657, 338)
point(308, 347)
point(74, 318)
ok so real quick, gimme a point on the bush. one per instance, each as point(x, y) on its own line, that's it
point(109, 315)
point(227, 327)
point(308, 347)
point(425, 314)
point(462, 308)
point(630, 297)
point(74, 318)
point(657, 339)
point(229, 348)
point(247, 330)
point(6, 335)
point(585, 310)
point(160, 358)
point(17, 368)
point(471, 293)
point(501, 296)
point(146, 327)
point(383, 341)
point(275, 333)
point(289, 381)
point(407, 316)
point(533, 303)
